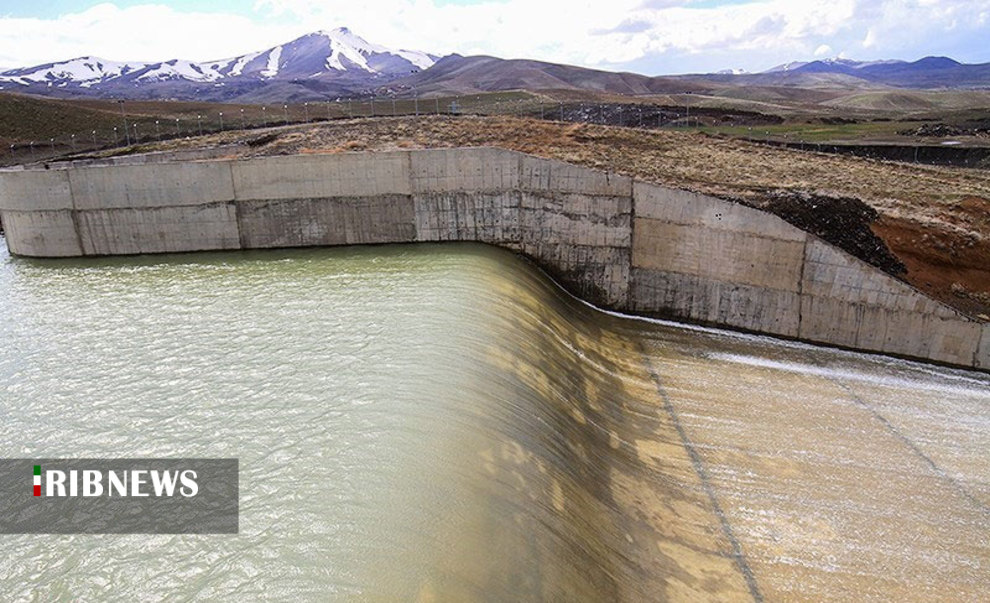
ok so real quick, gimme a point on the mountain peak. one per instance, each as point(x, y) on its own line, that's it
point(338, 55)
point(937, 62)
point(842, 65)
point(331, 33)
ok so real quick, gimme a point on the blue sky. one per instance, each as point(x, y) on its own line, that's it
point(647, 36)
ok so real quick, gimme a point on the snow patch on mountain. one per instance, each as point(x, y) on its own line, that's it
point(83, 71)
point(340, 50)
point(273, 58)
point(241, 62)
point(178, 69)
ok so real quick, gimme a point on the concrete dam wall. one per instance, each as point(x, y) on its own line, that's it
point(621, 244)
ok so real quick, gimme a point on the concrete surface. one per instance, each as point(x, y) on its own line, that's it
point(983, 354)
point(844, 304)
point(620, 244)
point(158, 229)
point(712, 301)
point(35, 190)
point(321, 176)
point(151, 186)
point(41, 233)
point(326, 221)
point(835, 480)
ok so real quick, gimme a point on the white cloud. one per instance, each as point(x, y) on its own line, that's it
point(651, 36)
point(823, 51)
point(871, 39)
point(147, 32)
point(620, 32)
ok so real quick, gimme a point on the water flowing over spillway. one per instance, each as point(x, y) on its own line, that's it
point(443, 423)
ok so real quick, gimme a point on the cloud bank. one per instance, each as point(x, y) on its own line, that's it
point(649, 36)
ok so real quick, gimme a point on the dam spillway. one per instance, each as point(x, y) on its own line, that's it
point(441, 422)
point(620, 244)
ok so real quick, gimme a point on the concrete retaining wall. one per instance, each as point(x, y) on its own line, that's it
point(623, 245)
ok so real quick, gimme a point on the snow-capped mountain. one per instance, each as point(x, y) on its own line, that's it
point(84, 71)
point(331, 61)
point(834, 63)
point(320, 54)
point(929, 72)
point(331, 64)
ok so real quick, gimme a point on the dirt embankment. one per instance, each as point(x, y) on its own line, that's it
point(949, 259)
point(842, 221)
point(927, 225)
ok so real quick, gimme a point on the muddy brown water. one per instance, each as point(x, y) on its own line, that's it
point(442, 423)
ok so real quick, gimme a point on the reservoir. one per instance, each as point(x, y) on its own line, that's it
point(442, 422)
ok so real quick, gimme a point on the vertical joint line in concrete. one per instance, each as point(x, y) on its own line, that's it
point(409, 171)
point(982, 342)
point(632, 244)
point(237, 206)
point(699, 469)
point(800, 300)
point(74, 212)
point(979, 346)
point(938, 471)
point(520, 165)
point(233, 182)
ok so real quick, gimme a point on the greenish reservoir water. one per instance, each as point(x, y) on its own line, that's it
point(442, 423)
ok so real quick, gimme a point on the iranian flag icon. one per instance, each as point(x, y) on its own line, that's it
point(37, 480)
